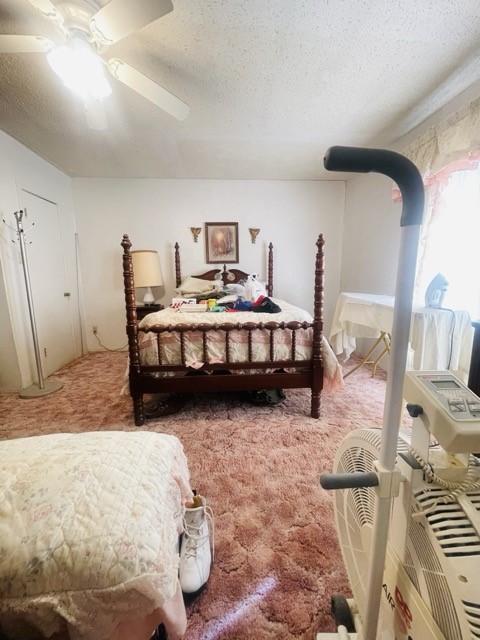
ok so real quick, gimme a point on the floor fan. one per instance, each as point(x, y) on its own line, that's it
point(43, 387)
point(408, 513)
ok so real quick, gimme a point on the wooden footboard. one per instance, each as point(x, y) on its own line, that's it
point(229, 375)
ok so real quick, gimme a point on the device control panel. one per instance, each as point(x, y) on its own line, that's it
point(453, 410)
point(453, 395)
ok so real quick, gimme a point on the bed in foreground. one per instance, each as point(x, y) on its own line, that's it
point(240, 351)
point(88, 530)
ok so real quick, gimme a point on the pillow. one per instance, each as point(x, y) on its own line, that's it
point(196, 285)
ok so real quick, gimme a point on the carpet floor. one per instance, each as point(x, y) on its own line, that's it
point(277, 560)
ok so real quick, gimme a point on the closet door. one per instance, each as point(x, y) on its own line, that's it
point(51, 295)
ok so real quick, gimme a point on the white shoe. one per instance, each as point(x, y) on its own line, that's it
point(195, 550)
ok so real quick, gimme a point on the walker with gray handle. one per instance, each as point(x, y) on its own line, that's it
point(386, 478)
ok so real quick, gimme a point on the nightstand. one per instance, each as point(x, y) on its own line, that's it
point(145, 309)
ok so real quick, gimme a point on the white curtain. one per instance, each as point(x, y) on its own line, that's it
point(448, 157)
point(454, 139)
point(450, 240)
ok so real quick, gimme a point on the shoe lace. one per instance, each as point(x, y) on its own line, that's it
point(194, 538)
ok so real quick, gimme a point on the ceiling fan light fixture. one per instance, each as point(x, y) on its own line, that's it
point(80, 69)
point(86, 29)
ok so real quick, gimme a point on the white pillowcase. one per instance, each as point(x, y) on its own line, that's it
point(197, 285)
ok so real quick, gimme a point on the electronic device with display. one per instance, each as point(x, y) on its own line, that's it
point(453, 409)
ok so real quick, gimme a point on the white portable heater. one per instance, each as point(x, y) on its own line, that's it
point(408, 512)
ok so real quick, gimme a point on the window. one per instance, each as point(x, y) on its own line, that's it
point(450, 238)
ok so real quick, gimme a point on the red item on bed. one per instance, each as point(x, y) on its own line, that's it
point(258, 301)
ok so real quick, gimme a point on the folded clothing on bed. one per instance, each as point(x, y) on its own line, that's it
point(261, 305)
point(88, 530)
point(264, 304)
point(239, 305)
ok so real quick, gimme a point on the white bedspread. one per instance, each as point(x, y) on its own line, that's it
point(88, 526)
point(238, 340)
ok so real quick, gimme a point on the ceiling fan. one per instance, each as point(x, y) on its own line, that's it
point(86, 31)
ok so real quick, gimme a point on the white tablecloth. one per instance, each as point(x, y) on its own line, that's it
point(362, 315)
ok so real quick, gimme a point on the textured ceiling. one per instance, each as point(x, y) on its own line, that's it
point(271, 84)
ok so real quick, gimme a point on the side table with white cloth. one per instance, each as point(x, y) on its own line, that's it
point(439, 338)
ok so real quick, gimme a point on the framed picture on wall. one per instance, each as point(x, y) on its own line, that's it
point(221, 239)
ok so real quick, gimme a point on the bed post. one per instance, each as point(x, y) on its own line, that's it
point(132, 333)
point(178, 273)
point(270, 271)
point(317, 364)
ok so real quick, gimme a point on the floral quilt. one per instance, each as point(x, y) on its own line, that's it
point(88, 530)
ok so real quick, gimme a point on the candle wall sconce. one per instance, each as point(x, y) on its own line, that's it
point(254, 233)
point(196, 232)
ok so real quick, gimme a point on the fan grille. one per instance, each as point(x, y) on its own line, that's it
point(443, 607)
point(457, 538)
point(439, 596)
point(472, 613)
point(410, 569)
point(355, 510)
point(475, 499)
point(450, 525)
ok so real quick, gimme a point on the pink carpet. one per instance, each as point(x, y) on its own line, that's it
point(277, 559)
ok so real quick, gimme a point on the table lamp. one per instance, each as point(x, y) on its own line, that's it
point(147, 272)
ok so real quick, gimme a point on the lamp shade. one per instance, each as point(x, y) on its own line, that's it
point(146, 268)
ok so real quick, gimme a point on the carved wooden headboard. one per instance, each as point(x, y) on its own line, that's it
point(228, 276)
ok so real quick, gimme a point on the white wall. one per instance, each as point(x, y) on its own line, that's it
point(371, 241)
point(22, 169)
point(158, 213)
point(371, 235)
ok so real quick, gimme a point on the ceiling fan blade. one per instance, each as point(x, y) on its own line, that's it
point(48, 10)
point(148, 89)
point(24, 44)
point(119, 18)
point(95, 114)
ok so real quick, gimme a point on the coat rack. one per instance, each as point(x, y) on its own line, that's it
point(44, 387)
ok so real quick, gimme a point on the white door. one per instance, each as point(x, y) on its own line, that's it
point(51, 296)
